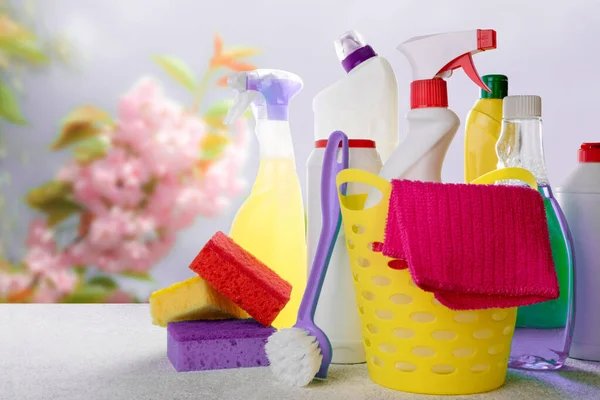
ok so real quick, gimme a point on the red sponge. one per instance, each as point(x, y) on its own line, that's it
point(242, 278)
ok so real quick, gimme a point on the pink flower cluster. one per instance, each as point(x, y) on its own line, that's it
point(146, 188)
point(46, 264)
point(140, 194)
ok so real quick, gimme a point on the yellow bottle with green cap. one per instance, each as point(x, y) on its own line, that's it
point(483, 128)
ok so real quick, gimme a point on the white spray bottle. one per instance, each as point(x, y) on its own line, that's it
point(431, 125)
point(270, 223)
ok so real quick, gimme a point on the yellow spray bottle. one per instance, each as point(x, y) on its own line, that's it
point(483, 128)
point(270, 223)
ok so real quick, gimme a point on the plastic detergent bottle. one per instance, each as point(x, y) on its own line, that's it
point(483, 128)
point(543, 331)
point(431, 125)
point(364, 103)
point(337, 311)
point(579, 197)
point(270, 223)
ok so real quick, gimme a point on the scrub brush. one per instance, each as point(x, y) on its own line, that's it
point(300, 353)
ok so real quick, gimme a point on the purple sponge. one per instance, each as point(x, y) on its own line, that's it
point(205, 345)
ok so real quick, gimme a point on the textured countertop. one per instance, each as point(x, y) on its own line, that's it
point(113, 352)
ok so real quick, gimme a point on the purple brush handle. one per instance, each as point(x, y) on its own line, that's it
point(332, 220)
point(330, 208)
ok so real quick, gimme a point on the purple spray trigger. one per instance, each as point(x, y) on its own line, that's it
point(332, 219)
point(277, 89)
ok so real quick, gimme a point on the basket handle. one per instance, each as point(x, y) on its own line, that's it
point(516, 173)
point(360, 176)
point(353, 175)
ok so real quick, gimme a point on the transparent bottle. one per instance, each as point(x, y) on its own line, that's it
point(543, 331)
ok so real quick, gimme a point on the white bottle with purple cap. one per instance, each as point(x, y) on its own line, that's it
point(363, 105)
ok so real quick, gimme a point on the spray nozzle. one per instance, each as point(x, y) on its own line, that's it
point(436, 56)
point(268, 91)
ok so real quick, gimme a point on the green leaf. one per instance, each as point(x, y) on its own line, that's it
point(48, 192)
point(59, 210)
point(87, 114)
point(11, 268)
point(9, 107)
point(140, 276)
point(178, 70)
point(42, 195)
point(54, 200)
point(90, 150)
point(74, 132)
point(81, 124)
point(104, 281)
point(89, 294)
point(23, 48)
point(80, 270)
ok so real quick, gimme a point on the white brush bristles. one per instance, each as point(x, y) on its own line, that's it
point(294, 355)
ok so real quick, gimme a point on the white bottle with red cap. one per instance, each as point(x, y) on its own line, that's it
point(337, 311)
point(579, 198)
point(363, 105)
point(431, 125)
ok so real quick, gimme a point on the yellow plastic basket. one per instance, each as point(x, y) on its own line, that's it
point(413, 343)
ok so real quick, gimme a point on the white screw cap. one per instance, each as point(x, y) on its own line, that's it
point(522, 107)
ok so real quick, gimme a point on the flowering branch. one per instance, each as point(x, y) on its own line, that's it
point(133, 183)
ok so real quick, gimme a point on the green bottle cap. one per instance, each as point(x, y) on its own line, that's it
point(498, 85)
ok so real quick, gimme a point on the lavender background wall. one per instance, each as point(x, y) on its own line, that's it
point(545, 49)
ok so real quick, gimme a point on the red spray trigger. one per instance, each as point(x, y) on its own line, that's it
point(466, 63)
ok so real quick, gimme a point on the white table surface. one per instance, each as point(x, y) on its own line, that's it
point(113, 352)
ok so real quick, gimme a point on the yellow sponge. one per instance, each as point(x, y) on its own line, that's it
point(192, 299)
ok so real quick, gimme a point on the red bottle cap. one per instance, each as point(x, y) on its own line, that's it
point(352, 143)
point(429, 93)
point(589, 152)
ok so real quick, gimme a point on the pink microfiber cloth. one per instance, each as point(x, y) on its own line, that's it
point(473, 246)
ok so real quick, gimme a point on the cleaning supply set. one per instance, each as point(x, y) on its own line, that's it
point(438, 287)
point(363, 104)
point(438, 309)
point(579, 198)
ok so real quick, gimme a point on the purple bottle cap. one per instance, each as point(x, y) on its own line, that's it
point(352, 50)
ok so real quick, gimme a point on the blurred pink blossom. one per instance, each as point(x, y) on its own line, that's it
point(138, 196)
point(46, 264)
point(155, 142)
point(11, 283)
